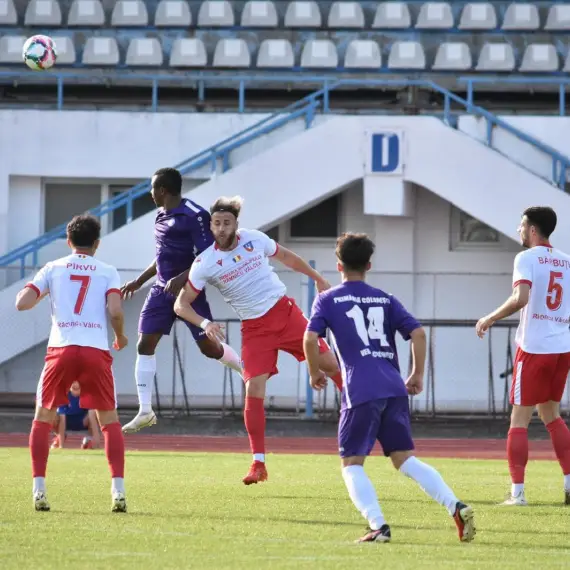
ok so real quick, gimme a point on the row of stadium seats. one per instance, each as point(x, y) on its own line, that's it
point(279, 53)
point(298, 14)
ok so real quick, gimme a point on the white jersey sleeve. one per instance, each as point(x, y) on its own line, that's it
point(197, 278)
point(522, 272)
point(40, 282)
point(113, 281)
point(270, 246)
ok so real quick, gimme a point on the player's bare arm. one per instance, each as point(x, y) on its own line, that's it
point(293, 261)
point(175, 285)
point(117, 317)
point(183, 308)
point(415, 382)
point(129, 288)
point(311, 350)
point(28, 298)
point(518, 300)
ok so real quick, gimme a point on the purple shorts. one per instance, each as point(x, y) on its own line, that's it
point(386, 420)
point(158, 316)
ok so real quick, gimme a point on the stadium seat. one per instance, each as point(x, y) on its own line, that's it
point(172, 14)
point(43, 13)
point(521, 17)
point(188, 52)
point(303, 14)
point(11, 49)
point(407, 55)
point(275, 53)
point(86, 13)
point(144, 51)
point(540, 57)
point(129, 13)
point(478, 16)
point(392, 15)
point(215, 14)
point(558, 18)
point(101, 51)
point(363, 54)
point(453, 56)
point(567, 63)
point(65, 50)
point(496, 57)
point(259, 14)
point(346, 15)
point(8, 14)
point(435, 16)
point(319, 53)
point(231, 52)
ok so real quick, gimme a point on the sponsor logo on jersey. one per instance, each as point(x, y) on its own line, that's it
point(219, 262)
point(248, 246)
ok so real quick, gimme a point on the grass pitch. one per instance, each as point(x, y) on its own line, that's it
point(192, 511)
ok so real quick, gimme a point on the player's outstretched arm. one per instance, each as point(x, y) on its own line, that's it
point(128, 289)
point(311, 350)
point(291, 260)
point(418, 340)
point(28, 298)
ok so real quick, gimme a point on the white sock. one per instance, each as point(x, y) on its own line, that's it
point(259, 457)
point(117, 485)
point(431, 482)
point(567, 482)
point(145, 369)
point(517, 489)
point(39, 484)
point(363, 495)
point(230, 358)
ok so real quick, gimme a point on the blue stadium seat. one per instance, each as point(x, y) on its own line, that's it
point(232, 52)
point(8, 14)
point(188, 52)
point(129, 13)
point(86, 13)
point(496, 57)
point(303, 14)
point(259, 14)
point(101, 51)
point(435, 16)
point(345, 15)
point(392, 15)
point(215, 14)
point(558, 18)
point(277, 53)
point(540, 58)
point(144, 52)
point(43, 13)
point(172, 14)
point(453, 56)
point(65, 50)
point(478, 16)
point(521, 17)
point(11, 49)
point(363, 54)
point(319, 54)
point(407, 55)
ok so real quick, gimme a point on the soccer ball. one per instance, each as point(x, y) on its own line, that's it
point(39, 53)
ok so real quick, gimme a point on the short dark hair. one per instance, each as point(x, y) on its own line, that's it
point(170, 179)
point(83, 231)
point(354, 251)
point(543, 218)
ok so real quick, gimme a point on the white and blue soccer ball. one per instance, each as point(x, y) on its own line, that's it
point(39, 53)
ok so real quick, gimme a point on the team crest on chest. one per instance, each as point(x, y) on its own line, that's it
point(219, 262)
point(248, 246)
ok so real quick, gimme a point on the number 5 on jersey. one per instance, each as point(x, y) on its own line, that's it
point(375, 316)
point(555, 291)
point(84, 281)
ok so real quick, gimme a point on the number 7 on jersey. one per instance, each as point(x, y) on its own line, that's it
point(84, 281)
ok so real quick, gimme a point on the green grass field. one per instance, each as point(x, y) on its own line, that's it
point(192, 511)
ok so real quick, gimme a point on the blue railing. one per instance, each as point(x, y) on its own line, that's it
point(306, 109)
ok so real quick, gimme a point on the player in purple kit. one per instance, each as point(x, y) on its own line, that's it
point(182, 231)
point(363, 321)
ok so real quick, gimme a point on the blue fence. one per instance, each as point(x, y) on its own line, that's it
point(304, 109)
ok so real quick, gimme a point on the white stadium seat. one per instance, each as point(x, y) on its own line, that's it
point(392, 15)
point(407, 55)
point(540, 58)
point(496, 57)
point(521, 17)
point(188, 52)
point(129, 13)
point(43, 13)
point(101, 51)
point(558, 18)
point(478, 16)
point(363, 54)
point(215, 14)
point(144, 51)
point(8, 14)
point(435, 16)
point(344, 15)
point(259, 14)
point(173, 13)
point(11, 49)
point(567, 63)
point(86, 13)
point(65, 50)
point(319, 53)
point(231, 52)
point(303, 14)
point(275, 53)
point(453, 56)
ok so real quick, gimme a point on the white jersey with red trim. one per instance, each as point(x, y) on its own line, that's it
point(545, 321)
point(78, 286)
point(243, 275)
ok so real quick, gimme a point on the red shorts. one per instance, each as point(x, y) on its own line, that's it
point(91, 367)
point(281, 328)
point(539, 378)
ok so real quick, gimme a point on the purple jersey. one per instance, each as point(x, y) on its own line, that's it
point(363, 321)
point(180, 234)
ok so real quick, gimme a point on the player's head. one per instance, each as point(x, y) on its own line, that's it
point(225, 213)
point(75, 389)
point(84, 233)
point(165, 182)
point(537, 223)
point(354, 252)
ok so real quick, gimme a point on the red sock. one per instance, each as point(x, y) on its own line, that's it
point(39, 447)
point(560, 436)
point(337, 379)
point(254, 416)
point(517, 453)
point(115, 448)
